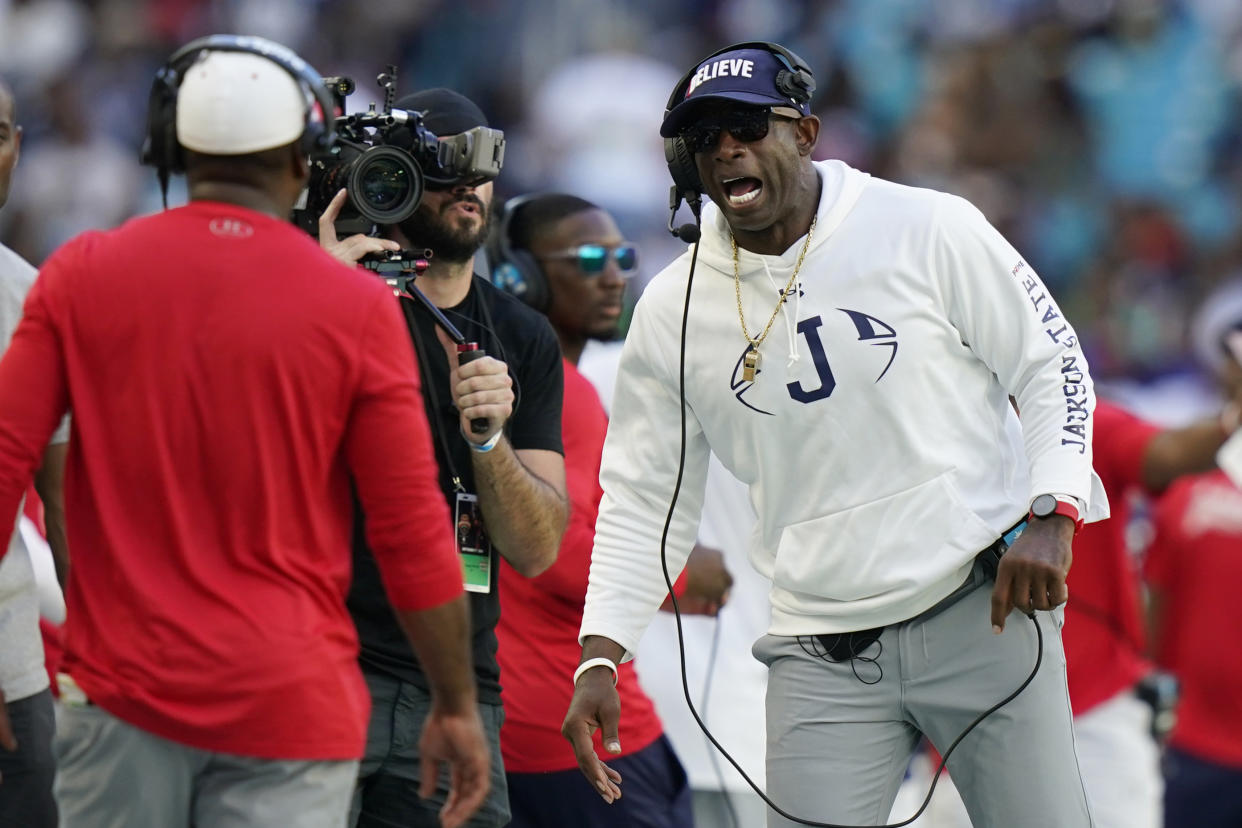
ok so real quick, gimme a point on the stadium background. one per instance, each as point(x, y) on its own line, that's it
point(1103, 137)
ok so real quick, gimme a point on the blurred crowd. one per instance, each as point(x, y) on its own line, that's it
point(1101, 136)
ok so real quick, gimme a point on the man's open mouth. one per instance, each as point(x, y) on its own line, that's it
point(742, 190)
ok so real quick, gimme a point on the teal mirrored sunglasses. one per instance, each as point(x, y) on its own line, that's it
point(591, 258)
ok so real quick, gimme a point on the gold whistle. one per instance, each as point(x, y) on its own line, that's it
point(749, 363)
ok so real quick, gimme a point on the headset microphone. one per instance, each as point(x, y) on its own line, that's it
point(689, 233)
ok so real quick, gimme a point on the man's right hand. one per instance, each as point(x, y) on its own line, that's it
point(350, 250)
point(595, 706)
point(456, 740)
point(708, 583)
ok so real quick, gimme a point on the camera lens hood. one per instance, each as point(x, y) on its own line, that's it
point(385, 184)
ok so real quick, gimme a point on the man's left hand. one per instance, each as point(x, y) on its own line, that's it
point(350, 250)
point(1032, 573)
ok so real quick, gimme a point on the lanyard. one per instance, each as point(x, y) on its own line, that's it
point(422, 354)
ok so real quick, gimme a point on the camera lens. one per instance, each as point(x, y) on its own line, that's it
point(385, 185)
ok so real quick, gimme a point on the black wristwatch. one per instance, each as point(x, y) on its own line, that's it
point(1047, 505)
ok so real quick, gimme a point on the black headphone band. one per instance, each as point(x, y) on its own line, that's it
point(161, 148)
point(526, 280)
point(277, 53)
point(510, 208)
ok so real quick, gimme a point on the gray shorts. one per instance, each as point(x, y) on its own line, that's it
point(840, 735)
point(114, 775)
point(390, 774)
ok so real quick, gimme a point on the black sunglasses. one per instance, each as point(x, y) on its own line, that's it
point(745, 125)
point(591, 258)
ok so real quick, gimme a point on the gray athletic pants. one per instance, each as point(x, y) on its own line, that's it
point(838, 747)
point(114, 775)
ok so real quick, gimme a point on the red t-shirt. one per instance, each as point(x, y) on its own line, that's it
point(1195, 564)
point(540, 617)
point(1103, 632)
point(228, 380)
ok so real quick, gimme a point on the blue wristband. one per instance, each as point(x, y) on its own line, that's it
point(492, 442)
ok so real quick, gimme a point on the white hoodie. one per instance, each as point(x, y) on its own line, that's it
point(877, 438)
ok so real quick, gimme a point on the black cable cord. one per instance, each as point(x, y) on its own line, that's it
point(681, 642)
point(817, 649)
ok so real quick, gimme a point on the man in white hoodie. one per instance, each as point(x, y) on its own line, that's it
point(850, 351)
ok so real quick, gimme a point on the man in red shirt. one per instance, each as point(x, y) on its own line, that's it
point(229, 382)
point(1103, 635)
point(1194, 569)
point(566, 257)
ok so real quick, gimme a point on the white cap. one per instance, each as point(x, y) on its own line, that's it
point(1218, 314)
point(234, 103)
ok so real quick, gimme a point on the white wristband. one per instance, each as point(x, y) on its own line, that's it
point(596, 662)
point(483, 448)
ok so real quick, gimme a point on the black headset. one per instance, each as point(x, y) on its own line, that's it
point(162, 150)
point(795, 82)
point(514, 270)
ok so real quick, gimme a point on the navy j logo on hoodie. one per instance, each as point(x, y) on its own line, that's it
point(871, 330)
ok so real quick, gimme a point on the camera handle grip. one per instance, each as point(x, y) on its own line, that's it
point(468, 352)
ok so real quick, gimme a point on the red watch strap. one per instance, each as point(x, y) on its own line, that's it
point(1071, 512)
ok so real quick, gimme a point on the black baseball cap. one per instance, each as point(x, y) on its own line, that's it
point(447, 112)
point(744, 75)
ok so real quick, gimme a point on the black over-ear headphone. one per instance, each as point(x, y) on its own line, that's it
point(795, 82)
point(515, 270)
point(162, 150)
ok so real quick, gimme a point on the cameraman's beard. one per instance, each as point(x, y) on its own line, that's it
point(448, 242)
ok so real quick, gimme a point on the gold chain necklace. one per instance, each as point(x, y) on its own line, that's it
point(750, 362)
